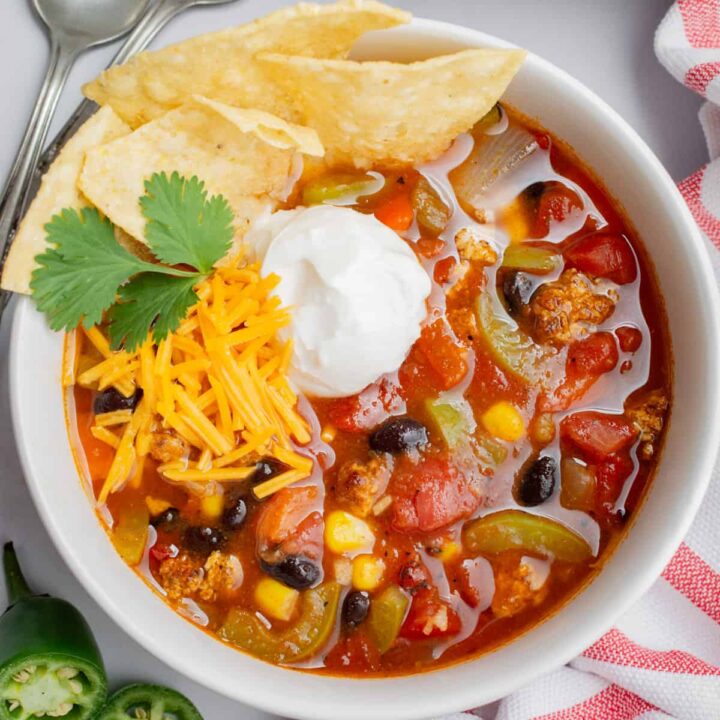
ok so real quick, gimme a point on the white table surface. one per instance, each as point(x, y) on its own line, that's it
point(607, 44)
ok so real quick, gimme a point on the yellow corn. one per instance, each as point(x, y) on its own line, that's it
point(156, 506)
point(448, 551)
point(504, 421)
point(346, 533)
point(515, 221)
point(367, 572)
point(275, 599)
point(212, 506)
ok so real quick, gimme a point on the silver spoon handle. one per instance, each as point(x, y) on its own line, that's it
point(156, 17)
point(61, 59)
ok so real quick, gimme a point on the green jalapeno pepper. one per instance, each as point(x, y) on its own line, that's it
point(50, 664)
point(148, 702)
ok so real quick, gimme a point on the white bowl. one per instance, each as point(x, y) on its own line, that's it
point(633, 175)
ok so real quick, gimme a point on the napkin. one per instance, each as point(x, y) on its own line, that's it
point(662, 659)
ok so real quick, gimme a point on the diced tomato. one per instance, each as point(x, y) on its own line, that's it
point(159, 553)
point(429, 617)
point(604, 255)
point(543, 140)
point(587, 360)
point(474, 581)
point(446, 357)
point(443, 269)
point(289, 525)
point(430, 247)
point(630, 338)
point(353, 653)
point(611, 474)
point(397, 212)
point(596, 435)
point(366, 410)
point(556, 203)
point(431, 495)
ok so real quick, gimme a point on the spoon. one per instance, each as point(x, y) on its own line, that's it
point(155, 18)
point(73, 26)
point(149, 26)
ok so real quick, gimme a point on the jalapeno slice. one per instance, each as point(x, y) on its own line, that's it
point(50, 664)
point(148, 702)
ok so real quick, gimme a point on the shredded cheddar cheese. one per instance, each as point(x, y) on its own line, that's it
point(219, 383)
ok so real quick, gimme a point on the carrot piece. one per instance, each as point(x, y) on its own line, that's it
point(397, 212)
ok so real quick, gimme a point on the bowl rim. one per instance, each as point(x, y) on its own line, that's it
point(464, 695)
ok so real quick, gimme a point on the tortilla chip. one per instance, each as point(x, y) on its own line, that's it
point(224, 146)
point(388, 114)
point(220, 65)
point(58, 190)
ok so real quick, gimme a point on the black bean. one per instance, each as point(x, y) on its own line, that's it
point(294, 571)
point(167, 519)
point(110, 399)
point(355, 608)
point(204, 539)
point(517, 289)
point(398, 434)
point(267, 468)
point(235, 514)
point(538, 481)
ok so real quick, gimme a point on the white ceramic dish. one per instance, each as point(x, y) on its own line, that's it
point(631, 173)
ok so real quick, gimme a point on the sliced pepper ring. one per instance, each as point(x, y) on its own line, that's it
point(148, 702)
point(306, 637)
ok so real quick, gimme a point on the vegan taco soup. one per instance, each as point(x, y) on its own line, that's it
point(365, 370)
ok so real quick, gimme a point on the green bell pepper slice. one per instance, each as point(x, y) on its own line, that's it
point(305, 638)
point(151, 702)
point(332, 187)
point(50, 663)
point(534, 259)
point(518, 530)
point(449, 420)
point(512, 349)
point(387, 614)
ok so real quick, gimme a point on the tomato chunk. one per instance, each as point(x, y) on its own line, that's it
point(431, 495)
point(446, 357)
point(587, 360)
point(366, 410)
point(596, 435)
point(611, 474)
point(397, 212)
point(630, 338)
point(429, 617)
point(604, 255)
point(556, 203)
point(290, 525)
point(443, 269)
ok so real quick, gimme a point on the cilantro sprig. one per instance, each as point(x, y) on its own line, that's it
point(86, 274)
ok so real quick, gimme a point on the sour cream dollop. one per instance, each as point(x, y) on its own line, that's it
point(356, 290)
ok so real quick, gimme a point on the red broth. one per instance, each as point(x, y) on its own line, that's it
point(445, 579)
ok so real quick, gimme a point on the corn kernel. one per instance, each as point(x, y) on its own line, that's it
point(367, 572)
point(275, 599)
point(448, 551)
point(346, 533)
point(328, 433)
point(156, 506)
point(504, 421)
point(212, 506)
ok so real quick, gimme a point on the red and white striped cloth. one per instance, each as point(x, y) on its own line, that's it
point(662, 659)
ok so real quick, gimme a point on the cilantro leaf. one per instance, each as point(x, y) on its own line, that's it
point(184, 226)
point(77, 280)
point(150, 301)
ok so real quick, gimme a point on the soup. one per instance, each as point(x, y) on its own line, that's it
point(447, 506)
